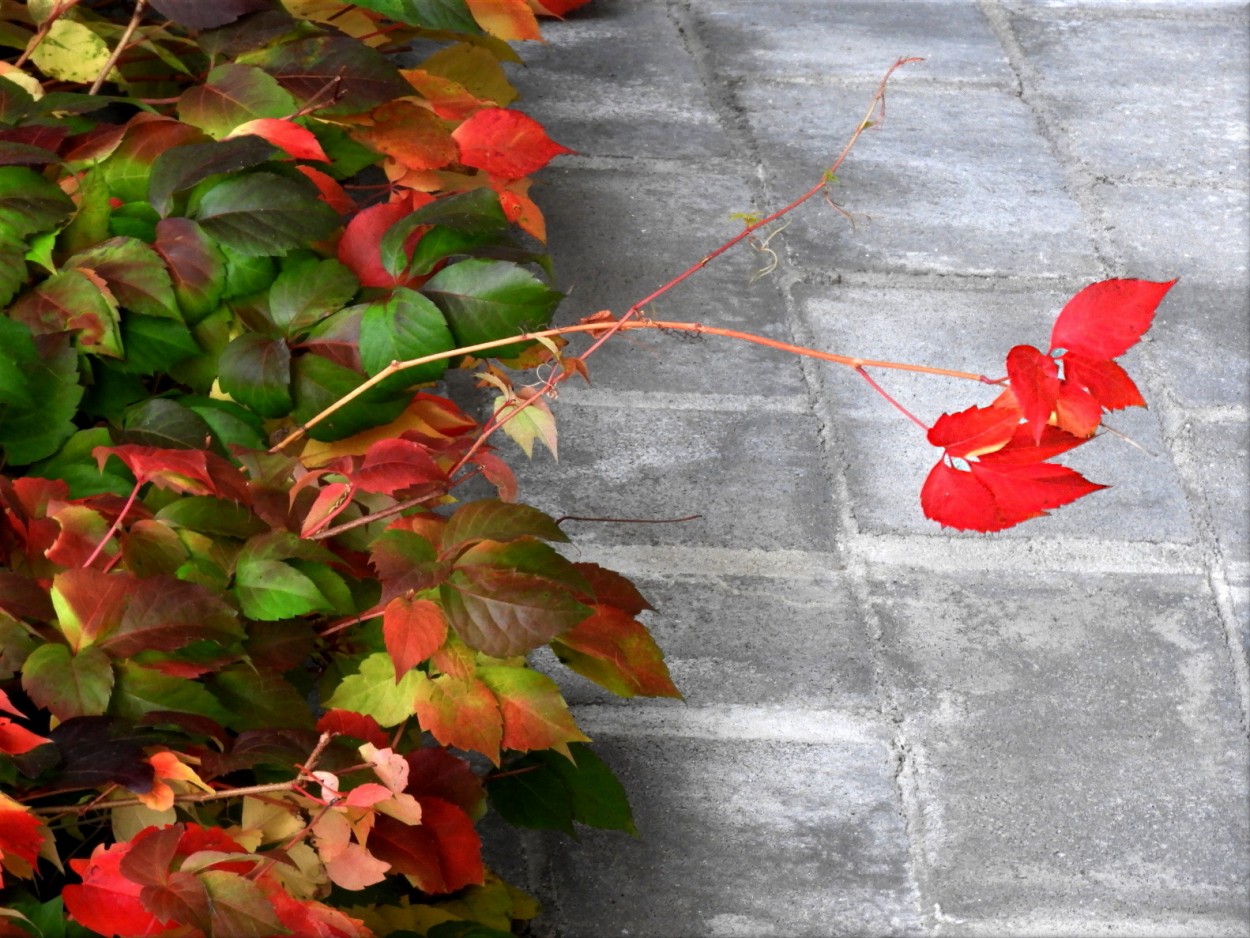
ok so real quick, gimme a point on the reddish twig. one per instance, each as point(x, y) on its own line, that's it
point(121, 46)
point(897, 406)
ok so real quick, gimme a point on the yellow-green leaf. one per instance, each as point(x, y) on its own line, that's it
point(71, 52)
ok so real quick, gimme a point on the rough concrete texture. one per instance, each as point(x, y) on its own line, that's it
point(890, 729)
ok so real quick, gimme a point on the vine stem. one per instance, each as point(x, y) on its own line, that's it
point(698, 328)
point(117, 523)
point(121, 46)
point(42, 32)
point(292, 785)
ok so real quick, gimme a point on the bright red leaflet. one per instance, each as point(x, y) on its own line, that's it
point(1106, 319)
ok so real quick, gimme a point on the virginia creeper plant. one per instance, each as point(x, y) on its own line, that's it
point(262, 668)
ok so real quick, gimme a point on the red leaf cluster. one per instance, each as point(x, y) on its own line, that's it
point(993, 473)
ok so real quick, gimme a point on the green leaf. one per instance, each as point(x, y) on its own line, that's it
point(16, 644)
point(231, 424)
point(209, 515)
point(13, 273)
point(182, 167)
point(126, 169)
point(264, 213)
point(270, 590)
point(450, 15)
point(74, 464)
point(495, 520)
point(308, 290)
point(111, 390)
point(136, 275)
point(487, 300)
point(134, 220)
point(404, 326)
point(319, 382)
point(546, 791)
point(71, 51)
point(507, 599)
point(460, 221)
point(233, 95)
point(246, 274)
point(256, 372)
point(35, 432)
point(139, 691)
point(68, 684)
point(164, 423)
point(196, 266)
point(374, 692)
point(259, 700)
point(476, 212)
point(73, 301)
point(29, 203)
point(153, 345)
point(19, 353)
point(465, 929)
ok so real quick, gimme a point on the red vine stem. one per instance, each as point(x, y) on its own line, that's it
point(897, 406)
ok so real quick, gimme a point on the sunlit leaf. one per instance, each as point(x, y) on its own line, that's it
point(233, 95)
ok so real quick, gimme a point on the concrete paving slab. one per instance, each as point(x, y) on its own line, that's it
point(1199, 345)
point(951, 35)
point(647, 228)
point(956, 181)
point(886, 459)
point(616, 80)
point(1217, 464)
point(778, 642)
point(645, 463)
point(1077, 744)
point(742, 839)
point(1169, 120)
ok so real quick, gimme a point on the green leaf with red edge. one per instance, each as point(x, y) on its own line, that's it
point(505, 143)
point(135, 274)
point(342, 75)
point(459, 712)
point(442, 854)
point(413, 629)
point(165, 614)
point(490, 519)
point(1106, 319)
point(256, 372)
point(535, 715)
point(75, 301)
point(89, 603)
point(507, 599)
point(82, 530)
point(617, 652)
point(236, 907)
point(196, 267)
point(488, 300)
point(974, 431)
point(609, 588)
point(1034, 379)
point(192, 471)
point(409, 133)
point(127, 168)
point(264, 213)
point(179, 899)
point(233, 95)
point(182, 167)
point(1105, 381)
point(393, 466)
point(447, 15)
point(404, 326)
point(374, 692)
point(68, 684)
point(992, 497)
point(405, 562)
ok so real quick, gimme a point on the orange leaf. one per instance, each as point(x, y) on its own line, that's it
point(615, 650)
point(413, 629)
point(460, 712)
point(535, 715)
point(409, 133)
point(504, 143)
point(509, 20)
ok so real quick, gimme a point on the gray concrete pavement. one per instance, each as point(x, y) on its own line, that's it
point(890, 729)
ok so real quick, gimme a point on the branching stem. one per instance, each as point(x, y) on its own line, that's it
point(121, 46)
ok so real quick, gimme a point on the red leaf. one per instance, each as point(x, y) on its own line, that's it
point(390, 466)
point(974, 431)
point(1106, 319)
point(308, 918)
point(15, 740)
point(21, 836)
point(360, 246)
point(192, 471)
point(993, 497)
point(329, 504)
point(355, 725)
point(556, 7)
point(434, 772)
point(1034, 378)
point(1022, 448)
point(332, 193)
point(504, 143)
point(442, 854)
point(288, 136)
point(413, 629)
point(106, 901)
point(460, 712)
point(617, 651)
point(609, 588)
point(1106, 381)
point(1077, 411)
